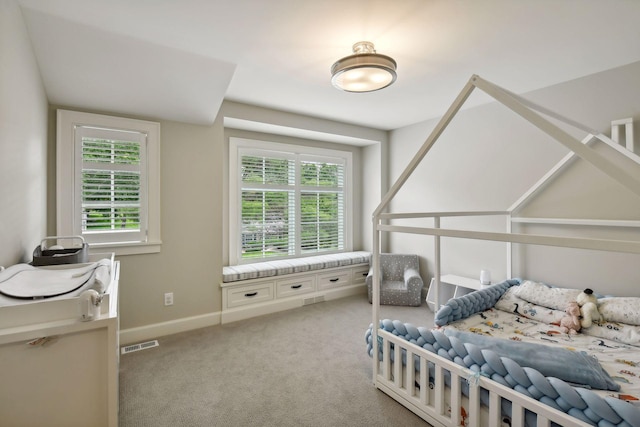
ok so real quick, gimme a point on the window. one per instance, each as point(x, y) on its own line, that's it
point(287, 204)
point(108, 181)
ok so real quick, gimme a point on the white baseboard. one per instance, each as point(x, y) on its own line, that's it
point(147, 332)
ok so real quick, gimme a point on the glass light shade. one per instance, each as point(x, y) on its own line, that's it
point(364, 71)
point(485, 277)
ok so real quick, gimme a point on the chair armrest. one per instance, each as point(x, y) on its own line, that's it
point(369, 279)
point(412, 279)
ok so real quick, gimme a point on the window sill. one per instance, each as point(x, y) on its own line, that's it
point(127, 248)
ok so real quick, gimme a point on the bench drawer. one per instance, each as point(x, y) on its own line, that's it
point(360, 274)
point(334, 279)
point(249, 294)
point(288, 288)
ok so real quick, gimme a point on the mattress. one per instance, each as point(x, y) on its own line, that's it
point(621, 361)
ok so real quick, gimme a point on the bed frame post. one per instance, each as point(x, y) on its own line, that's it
point(375, 296)
point(436, 262)
point(509, 248)
point(386, 199)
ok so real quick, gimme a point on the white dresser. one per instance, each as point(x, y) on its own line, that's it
point(56, 369)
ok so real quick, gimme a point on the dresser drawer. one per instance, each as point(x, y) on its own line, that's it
point(359, 274)
point(291, 287)
point(249, 294)
point(334, 279)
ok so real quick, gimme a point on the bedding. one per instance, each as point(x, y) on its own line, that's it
point(495, 329)
point(531, 315)
point(544, 295)
point(593, 375)
point(610, 328)
point(524, 315)
point(575, 367)
point(622, 310)
point(579, 402)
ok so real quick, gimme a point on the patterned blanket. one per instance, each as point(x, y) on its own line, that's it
point(620, 361)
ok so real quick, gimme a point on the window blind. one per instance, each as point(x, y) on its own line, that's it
point(111, 184)
point(290, 204)
point(322, 206)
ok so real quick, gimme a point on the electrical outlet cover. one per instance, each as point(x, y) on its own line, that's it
point(168, 298)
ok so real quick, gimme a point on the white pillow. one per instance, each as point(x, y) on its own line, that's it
point(510, 303)
point(546, 296)
point(615, 331)
point(620, 309)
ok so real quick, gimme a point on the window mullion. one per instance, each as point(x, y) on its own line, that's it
point(297, 208)
point(264, 203)
point(113, 187)
point(317, 218)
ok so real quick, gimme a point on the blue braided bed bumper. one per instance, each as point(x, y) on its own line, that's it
point(475, 302)
point(477, 354)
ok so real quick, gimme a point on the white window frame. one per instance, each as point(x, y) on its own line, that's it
point(236, 145)
point(69, 180)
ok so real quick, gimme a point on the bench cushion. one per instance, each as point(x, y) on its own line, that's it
point(289, 266)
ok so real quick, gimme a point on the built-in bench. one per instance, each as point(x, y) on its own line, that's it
point(298, 265)
point(250, 290)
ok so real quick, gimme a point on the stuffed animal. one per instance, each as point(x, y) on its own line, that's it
point(588, 308)
point(571, 322)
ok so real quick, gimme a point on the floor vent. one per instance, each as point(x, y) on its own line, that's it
point(137, 347)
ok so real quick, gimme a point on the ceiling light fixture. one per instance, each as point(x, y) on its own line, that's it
point(364, 71)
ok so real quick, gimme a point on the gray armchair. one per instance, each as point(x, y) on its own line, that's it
point(400, 281)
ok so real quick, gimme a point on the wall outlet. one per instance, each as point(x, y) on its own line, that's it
point(168, 298)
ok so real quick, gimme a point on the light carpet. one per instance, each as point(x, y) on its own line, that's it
point(302, 367)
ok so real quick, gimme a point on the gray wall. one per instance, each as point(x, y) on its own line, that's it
point(23, 141)
point(194, 219)
point(190, 261)
point(488, 157)
point(375, 184)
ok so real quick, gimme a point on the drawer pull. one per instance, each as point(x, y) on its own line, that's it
point(334, 280)
point(252, 294)
point(296, 286)
point(365, 274)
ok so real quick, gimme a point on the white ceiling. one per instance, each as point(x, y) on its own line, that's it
point(178, 59)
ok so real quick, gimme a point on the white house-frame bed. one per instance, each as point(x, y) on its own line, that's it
point(402, 381)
